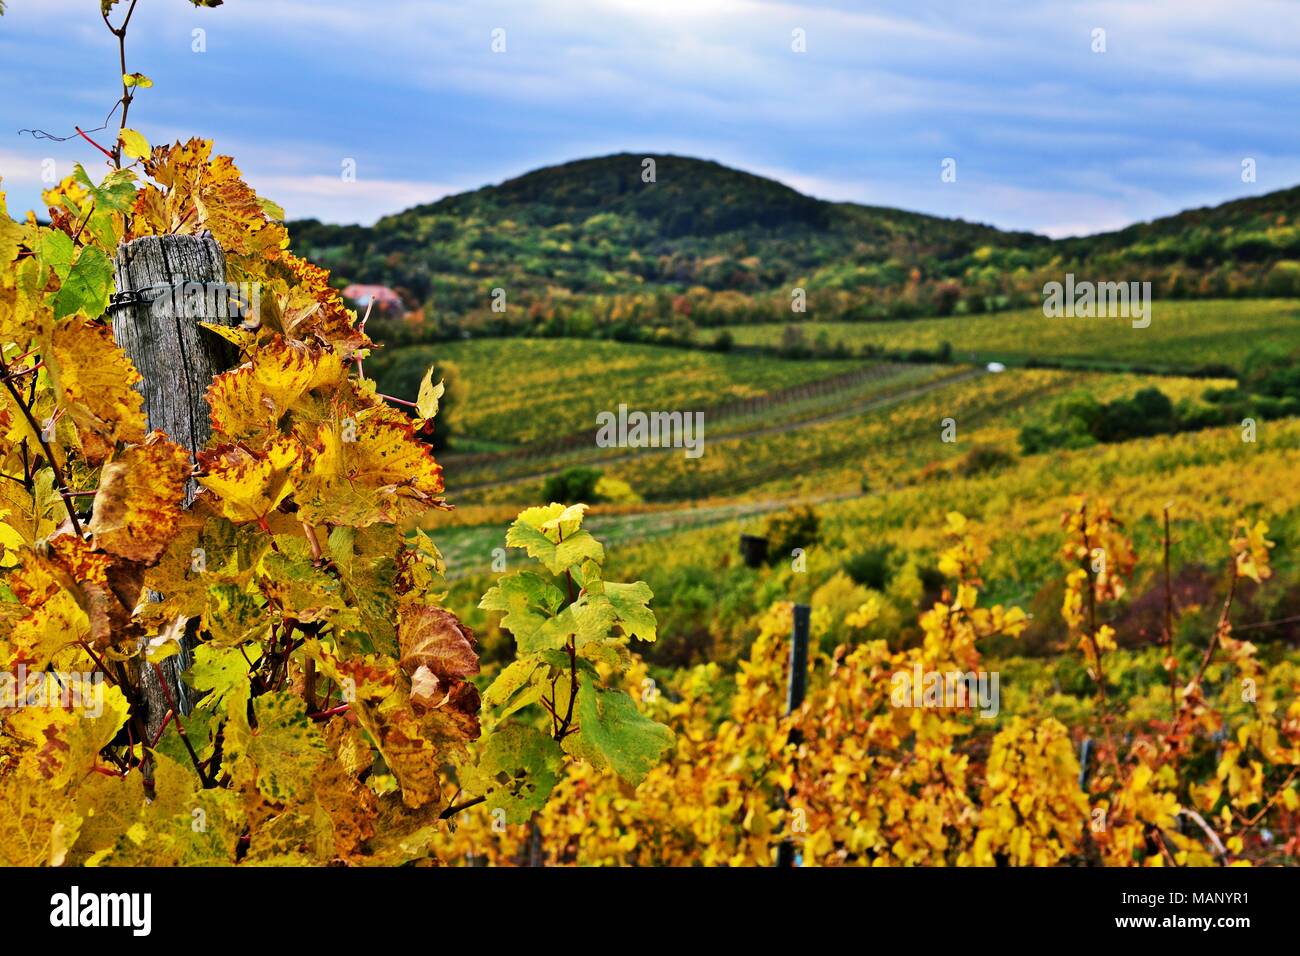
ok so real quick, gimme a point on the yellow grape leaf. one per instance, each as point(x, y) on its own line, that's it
point(369, 470)
point(243, 339)
point(183, 824)
point(55, 617)
point(68, 720)
point(30, 515)
point(281, 752)
point(133, 144)
point(248, 402)
point(109, 807)
point(349, 806)
point(1252, 548)
point(138, 505)
point(315, 309)
point(248, 487)
point(195, 193)
point(11, 234)
point(301, 590)
point(92, 378)
point(136, 80)
point(38, 825)
point(108, 590)
point(379, 700)
point(409, 755)
point(426, 403)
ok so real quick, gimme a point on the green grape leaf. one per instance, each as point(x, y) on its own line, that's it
point(632, 607)
point(233, 616)
point(612, 651)
point(522, 683)
point(117, 192)
point(552, 535)
point(517, 768)
point(369, 577)
point(585, 621)
point(201, 725)
point(304, 591)
point(614, 734)
point(217, 671)
point(528, 601)
point(557, 557)
point(55, 250)
point(87, 285)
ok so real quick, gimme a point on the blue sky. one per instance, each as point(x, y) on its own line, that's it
point(1047, 134)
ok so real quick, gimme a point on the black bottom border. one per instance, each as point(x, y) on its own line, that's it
point(364, 906)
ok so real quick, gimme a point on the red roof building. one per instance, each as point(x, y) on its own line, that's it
point(382, 296)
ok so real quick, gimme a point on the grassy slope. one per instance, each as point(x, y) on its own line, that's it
point(1182, 335)
point(525, 390)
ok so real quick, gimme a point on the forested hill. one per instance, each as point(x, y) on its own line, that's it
point(590, 242)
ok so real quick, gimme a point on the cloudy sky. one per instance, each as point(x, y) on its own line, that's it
point(1047, 134)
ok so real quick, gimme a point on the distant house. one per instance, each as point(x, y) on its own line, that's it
point(384, 298)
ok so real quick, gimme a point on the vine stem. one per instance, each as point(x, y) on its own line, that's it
point(180, 728)
point(1220, 629)
point(457, 808)
point(162, 727)
point(1250, 822)
point(82, 134)
point(571, 646)
point(1169, 623)
point(326, 714)
point(1092, 602)
point(45, 447)
point(127, 96)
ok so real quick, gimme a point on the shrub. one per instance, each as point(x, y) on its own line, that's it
point(572, 485)
point(792, 529)
point(873, 567)
point(984, 458)
point(616, 491)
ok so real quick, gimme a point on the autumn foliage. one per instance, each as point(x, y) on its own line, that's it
point(338, 711)
point(853, 779)
point(335, 703)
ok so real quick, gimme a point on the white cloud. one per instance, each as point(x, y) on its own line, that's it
point(330, 199)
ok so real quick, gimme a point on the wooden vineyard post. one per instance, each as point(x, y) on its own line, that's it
point(166, 286)
point(795, 693)
point(753, 549)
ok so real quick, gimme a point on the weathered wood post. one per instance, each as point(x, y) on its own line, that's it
point(166, 286)
point(796, 690)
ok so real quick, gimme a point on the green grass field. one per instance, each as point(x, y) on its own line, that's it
point(1182, 335)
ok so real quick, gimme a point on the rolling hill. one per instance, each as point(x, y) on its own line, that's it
point(587, 246)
